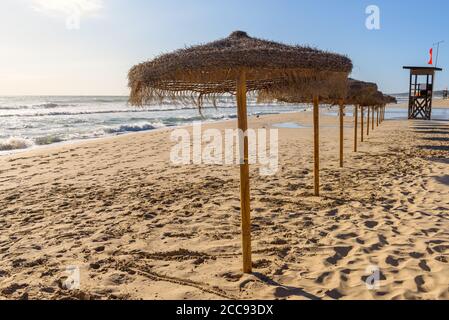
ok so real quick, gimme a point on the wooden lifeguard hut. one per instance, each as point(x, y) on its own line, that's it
point(421, 92)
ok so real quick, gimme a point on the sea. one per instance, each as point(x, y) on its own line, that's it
point(33, 121)
point(28, 122)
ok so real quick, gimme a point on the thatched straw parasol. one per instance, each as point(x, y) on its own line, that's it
point(206, 71)
point(235, 65)
point(359, 92)
point(370, 101)
point(356, 92)
point(333, 91)
point(351, 91)
point(385, 100)
point(390, 99)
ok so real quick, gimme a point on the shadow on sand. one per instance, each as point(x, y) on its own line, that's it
point(285, 291)
point(435, 148)
point(437, 127)
point(443, 180)
point(432, 132)
point(438, 139)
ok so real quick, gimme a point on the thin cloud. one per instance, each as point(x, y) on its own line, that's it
point(71, 10)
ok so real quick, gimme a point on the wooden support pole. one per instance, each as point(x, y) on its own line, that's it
point(372, 117)
point(244, 174)
point(377, 115)
point(367, 122)
point(342, 107)
point(361, 123)
point(316, 145)
point(356, 109)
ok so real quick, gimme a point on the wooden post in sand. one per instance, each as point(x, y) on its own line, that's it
point(244, 174)
point(341, 132)
point(372, 117)
point(356, 109)
point(361, 123)
point(316, 145)
point(367, 122)
point(377, 115)
point(381, 114)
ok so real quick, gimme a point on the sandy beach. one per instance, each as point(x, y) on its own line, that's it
point(440, 103)
point(140, 228)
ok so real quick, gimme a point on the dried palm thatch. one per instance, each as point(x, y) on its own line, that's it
point(376, 99)
point(360, 92)
point(328, 89)
point(390, 99)
point(209, 70)
point(351, 91)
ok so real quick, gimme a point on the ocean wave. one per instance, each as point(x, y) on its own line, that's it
point(48, 105)
point(39, 110)
point(36, 106)
point(46, 140)
point(68, 113)
point(75, 113)
point(15, 143)
point(13, 107)
point(132, 128)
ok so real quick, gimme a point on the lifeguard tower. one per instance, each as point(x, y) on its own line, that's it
point(421, 92)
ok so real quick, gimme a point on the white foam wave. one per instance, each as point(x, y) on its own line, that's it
point(15, 143)
point(133, 128)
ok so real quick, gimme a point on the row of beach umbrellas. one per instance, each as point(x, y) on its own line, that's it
point(240, 64)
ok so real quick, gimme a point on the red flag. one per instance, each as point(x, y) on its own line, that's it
point(431, 57)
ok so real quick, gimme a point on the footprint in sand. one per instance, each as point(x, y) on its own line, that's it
point(423, 265)
point(346, 236)
point(377, 246)
point(392, 261)
point(424, 283)
point(442, 259)
point(340, 253)
point(231, 276)
point(416, 255)
point(334, 294)
point(371, 224)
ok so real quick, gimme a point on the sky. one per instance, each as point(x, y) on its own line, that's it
point(86, 47)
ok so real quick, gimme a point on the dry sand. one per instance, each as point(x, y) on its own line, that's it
point(440, 103)
point(140, 228)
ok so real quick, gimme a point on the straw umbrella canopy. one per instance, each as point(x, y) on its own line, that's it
point(333, 90)
point(360, 92)
point(235, 65)
point(390, 99)
point(374, 99)
point(210, 70)
point(351, 91)
point(354, 92)
point(386, 99)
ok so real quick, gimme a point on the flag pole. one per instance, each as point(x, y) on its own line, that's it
point(438, 51)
